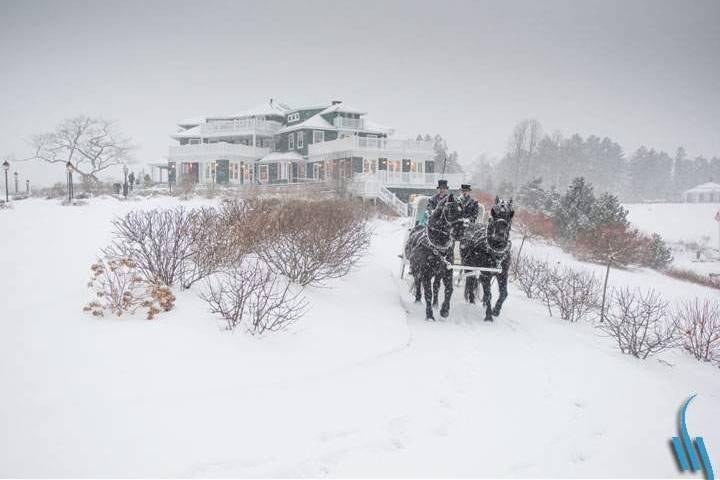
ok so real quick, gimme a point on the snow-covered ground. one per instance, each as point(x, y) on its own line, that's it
point(361, 386)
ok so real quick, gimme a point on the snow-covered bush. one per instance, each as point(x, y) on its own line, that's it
point(120, 288)
point(251, 295)
point(638, 321)
point(311, 241)
point(698, 323)
point(574, 293)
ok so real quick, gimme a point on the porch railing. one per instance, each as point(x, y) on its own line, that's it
point(378, 146)
point(412, 179)
point(216, 150)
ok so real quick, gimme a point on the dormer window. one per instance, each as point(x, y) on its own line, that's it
point(293, 117)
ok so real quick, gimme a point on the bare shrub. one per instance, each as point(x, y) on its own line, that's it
point(311, 241)
point(120, 288)
point(174, 246)
point(529, 276)
point(698, 323)
point(575, 293)
point(639, 323)
point(158, 241)
point(693, 277)
point(253, 296)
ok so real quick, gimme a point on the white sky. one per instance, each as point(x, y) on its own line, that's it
point(641, 72)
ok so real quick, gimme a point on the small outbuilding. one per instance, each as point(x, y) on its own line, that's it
point(705, 193)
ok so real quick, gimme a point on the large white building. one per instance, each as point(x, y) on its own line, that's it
point(276, 143)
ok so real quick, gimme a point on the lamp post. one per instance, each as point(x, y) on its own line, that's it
point(6, 167)
point(16, 182)
point(125, 185)
point(171, 176)
point(27, 187)
point(69, 167)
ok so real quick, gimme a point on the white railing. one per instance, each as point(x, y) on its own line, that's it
point(372, 188)
point(412, 179)
point(350, 123)
point(239, 124)
point(408, 148)
point(217, 150)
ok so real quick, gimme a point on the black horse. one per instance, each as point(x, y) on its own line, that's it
point(489, 246)
point(428, 251)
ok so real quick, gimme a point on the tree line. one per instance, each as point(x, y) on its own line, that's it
point(646, 175)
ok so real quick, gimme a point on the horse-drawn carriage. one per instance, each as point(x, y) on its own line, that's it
point(442, 246)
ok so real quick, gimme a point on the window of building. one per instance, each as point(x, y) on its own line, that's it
point(194, 141)
point(234, 171)
point(291, 140)
point(263, 173)
point(293, 117)
point(318, 136)
point(300, 139)
point(301, 170)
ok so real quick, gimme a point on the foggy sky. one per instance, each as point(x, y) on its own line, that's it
point(641, 72)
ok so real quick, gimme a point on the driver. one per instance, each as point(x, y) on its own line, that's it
point(469, 205)
point(442, 192)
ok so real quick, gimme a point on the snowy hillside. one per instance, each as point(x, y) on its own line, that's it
point(361, 386)
point(688, 222)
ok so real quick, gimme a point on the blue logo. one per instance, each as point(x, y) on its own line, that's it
point(685, 448)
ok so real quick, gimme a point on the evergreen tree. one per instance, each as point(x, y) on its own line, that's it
point(609, 211)
point(574, 212)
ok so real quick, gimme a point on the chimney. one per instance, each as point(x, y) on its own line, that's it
point(271, 100)
point(335, 102)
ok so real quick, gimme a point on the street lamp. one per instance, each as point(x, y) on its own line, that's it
point(70, 169)
point(171, 176)
point(125, 185)
point(6, 167)
point(27, 187)
point(16, 182)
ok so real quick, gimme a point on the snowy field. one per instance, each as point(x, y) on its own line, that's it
point(361, 386)
point(688, 222)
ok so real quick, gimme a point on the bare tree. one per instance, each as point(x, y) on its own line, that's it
point(523, 146)
point(90, 144)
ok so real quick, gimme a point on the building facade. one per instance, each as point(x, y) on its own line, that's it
point(706, 193)
point(276, 143)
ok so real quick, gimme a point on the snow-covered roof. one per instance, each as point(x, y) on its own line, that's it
point(193, 121)
point(193, 132)
point(273, 107)
point(705, 187)
point(316, 122)
point(342, 107)
point(377, 127)
point(280, 156)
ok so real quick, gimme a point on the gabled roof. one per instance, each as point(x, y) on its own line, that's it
point(193, 132)
point(272, 107)
point(316, 121)
point(342, 107)
point(709, 186)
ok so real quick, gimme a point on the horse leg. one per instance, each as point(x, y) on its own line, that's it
point(470, 288)
point(427, 287)
point(418, 288)
point(502, 286)
point(487, 296)
point(447, 279)
point(435, 290)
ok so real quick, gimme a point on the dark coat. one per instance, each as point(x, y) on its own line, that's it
point(470, 209)
point(434, 200)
